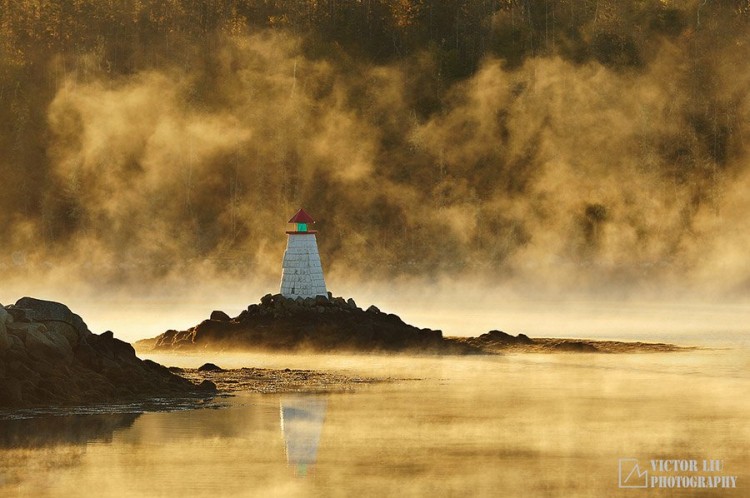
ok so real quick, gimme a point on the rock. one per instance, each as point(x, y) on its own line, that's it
point(152, 365)
point(321, 300)
point(321, 309)
point(67, 331)
point(57, 361)
point(373, 309)
point(498, 337)
point(266, 300)
point(86, 354)
point(123, 350)
point(10, 393)
point(16, 345)
point(210, 367)
point(51, 311)
point(524, 339)
point(207, 385)
point(351, 303)
point(4, 339)
point(41, 344)
point(62, 346)
point(220, 316)
point(176, 369)
point(20, 314)
point(20, 329)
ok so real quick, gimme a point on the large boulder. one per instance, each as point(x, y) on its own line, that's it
point(48, 357)
point(210, 367)
point(220, 316)
point(51, 311)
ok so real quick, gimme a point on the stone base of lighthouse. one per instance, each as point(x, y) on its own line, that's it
point(302, 274)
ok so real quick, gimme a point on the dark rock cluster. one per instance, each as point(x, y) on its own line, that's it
point(496, 341)
point(48, 356)
point(498, 338)
point(323, 324)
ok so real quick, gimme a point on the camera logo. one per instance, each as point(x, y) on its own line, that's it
point(631, 475)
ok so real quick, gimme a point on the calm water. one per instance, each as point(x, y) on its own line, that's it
point(516, 425)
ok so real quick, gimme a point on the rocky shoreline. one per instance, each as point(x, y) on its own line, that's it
point(267, 380)
point(49, 357)
point(496, 341)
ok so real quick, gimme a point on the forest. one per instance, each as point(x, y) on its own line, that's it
point(577, 140)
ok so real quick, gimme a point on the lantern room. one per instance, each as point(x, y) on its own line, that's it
point(301, 219)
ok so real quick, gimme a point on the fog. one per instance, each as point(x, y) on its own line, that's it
point(548, 179)
point(456, 308)
point(685, 323)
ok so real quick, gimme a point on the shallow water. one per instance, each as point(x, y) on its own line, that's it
point(533, 425)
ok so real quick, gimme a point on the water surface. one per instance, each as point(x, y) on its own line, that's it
point(514, 425)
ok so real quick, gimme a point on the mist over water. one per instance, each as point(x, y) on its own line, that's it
point(534, 425)
point(695, 324)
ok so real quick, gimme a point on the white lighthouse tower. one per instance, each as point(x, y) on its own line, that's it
point(302, 274)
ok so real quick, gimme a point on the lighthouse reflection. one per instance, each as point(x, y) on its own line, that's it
point(302, 419)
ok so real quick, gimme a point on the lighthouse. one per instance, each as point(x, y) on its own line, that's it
point(302, 273)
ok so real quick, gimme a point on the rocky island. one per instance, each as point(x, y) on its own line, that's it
point(333, 324)
point(321, 324)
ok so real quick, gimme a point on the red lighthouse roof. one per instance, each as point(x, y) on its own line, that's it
point(301, 217)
